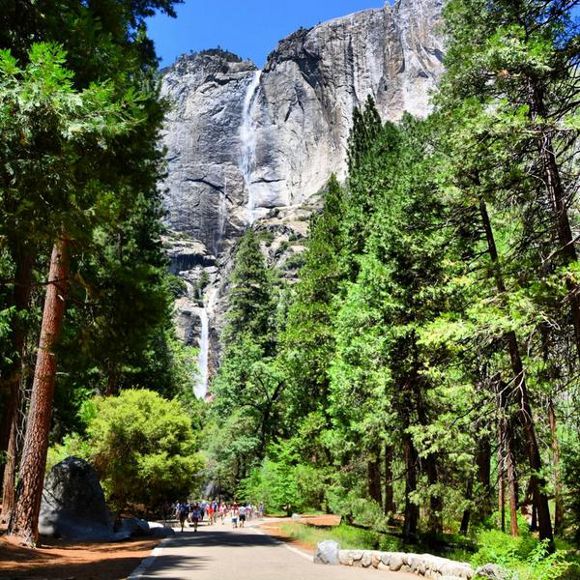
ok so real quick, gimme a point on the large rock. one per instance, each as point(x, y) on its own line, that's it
point(242, 141)
point(248, 146)
point(327, 552)
point(73, 504)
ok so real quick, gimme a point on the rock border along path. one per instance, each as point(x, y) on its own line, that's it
point(426, 565)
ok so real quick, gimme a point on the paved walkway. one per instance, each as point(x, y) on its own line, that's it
point(221, 553)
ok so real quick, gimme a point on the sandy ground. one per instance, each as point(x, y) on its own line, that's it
point(58, 559)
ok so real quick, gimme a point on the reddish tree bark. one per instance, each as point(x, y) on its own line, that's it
point(512, 479)
point(557, 196)
point(501, 485)
point(24, 523)
point(519, 392)
point(10, 385)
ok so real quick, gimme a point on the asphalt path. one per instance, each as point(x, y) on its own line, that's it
point(219, 552)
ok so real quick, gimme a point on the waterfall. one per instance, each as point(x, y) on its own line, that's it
point(248, 143)
point(200, 388)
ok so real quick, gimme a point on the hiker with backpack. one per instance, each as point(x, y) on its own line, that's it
point(181, 512)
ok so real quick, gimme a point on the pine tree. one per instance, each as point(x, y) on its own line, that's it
point(308, 338)
point(248, 386)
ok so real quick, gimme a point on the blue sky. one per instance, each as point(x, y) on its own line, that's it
point(250, 28)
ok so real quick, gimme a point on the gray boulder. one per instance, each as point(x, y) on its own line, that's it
point(132, 528)
point(73, 504)
point(492, 572)
point(327, 552)
point(161, 532)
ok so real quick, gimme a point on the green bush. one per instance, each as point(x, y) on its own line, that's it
point(524, 557)
point(142, 446)
point(274, 484)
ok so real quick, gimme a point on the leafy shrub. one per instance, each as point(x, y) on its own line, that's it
point(142, 446)
point(524, 557)
point(274, 484)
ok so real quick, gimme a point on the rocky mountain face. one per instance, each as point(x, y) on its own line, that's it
point(253, 148)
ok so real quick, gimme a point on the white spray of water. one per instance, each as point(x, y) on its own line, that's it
point(200, 388)
point(248, 143)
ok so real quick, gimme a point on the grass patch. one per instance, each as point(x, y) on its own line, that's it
point(348, 537)
point(525, 558)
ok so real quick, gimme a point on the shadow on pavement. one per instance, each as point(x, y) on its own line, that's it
point(183, 564)
point(230, 538)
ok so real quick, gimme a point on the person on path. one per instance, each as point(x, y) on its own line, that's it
point(242, 512)
point(210, 514)
point(235, 514)
point(195, 516)
point(181, 512)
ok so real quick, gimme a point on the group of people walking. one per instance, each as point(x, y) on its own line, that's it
point(214, 510)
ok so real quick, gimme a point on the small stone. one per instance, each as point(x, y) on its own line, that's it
point(395, 563)
point(492, 572)
point(386, 558)
point(345, 558)
point(366, 559)
point(376, 559)
point(418, 566)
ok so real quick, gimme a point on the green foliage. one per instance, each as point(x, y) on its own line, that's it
point(437, 266)
point(249, 384)
point(348, 537)
point(142, 446)
point(571, 461)
point(524, 557)
point(80, 117)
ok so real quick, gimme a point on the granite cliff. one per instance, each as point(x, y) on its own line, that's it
point(249, 147)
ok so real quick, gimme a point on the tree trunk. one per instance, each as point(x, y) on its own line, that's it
point(389, 494)
point(508, 459)
point(435, 502)
point(559, 505)
point(374, 474)
point(501, 484)
point(8, 488)
point(411, 509)
point(483, 460)
point(24, 524)
point(10, 386)
point(557, 197)
point(512, 479)
point(464, 528)
point(520, 394)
